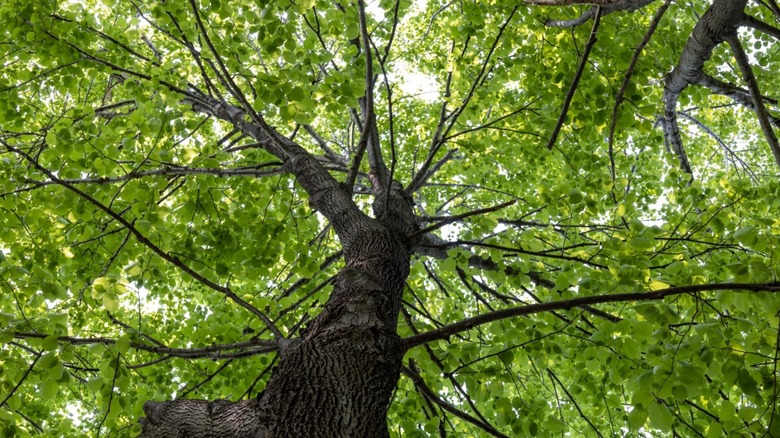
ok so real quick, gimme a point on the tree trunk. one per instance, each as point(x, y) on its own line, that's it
point(337, 378)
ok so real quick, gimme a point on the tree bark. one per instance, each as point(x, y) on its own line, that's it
point(337, 378)
point(721, 19)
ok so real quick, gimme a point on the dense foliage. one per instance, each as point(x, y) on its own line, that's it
point(137, 229)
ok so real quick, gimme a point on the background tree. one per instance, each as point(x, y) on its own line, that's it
point(570, 225)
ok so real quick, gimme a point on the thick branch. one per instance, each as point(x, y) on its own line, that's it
point(720, 20)
point(325, 193)
point(607, 7)
point(469, 323)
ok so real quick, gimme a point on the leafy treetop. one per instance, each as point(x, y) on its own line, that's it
point(595, 187)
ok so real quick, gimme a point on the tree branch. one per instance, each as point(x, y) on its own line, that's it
point(22, 379)
point(469, 323)
point(760, 26)
point(575, 82)
point(461, 216)
point(231, 85)
point(721, 19)
point(625, 4)
point(574, 402)
point(737, 94)
point(428, 393)
point(441, 132)
point(627, 79)
point(253, 171)
point(379, 172)
point(220, 351)
point(325, 193)
point(758, 101)
point(148, 243)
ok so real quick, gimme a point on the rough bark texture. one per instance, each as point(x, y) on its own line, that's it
point(337, 378)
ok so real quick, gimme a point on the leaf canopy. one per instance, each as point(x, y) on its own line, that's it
point(113, 181)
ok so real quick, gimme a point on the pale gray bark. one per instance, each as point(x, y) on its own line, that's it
point(721, 18)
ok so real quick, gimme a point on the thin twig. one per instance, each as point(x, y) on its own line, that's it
point(627, 79)
point(576, 405)
point(461, 216)
point(24, 377)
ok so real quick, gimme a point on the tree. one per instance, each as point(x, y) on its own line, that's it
point(242, 219)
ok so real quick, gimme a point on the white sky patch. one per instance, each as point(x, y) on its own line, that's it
point(415, 83)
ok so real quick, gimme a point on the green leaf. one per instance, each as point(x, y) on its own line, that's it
point(49, 389)
point(123, 344)
point(637, 418)
point(727, 411)
point(555, 425)
point(659, 416)
point(6, 336)
point(50, 343)
point(746, 235)
point(110, 302)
